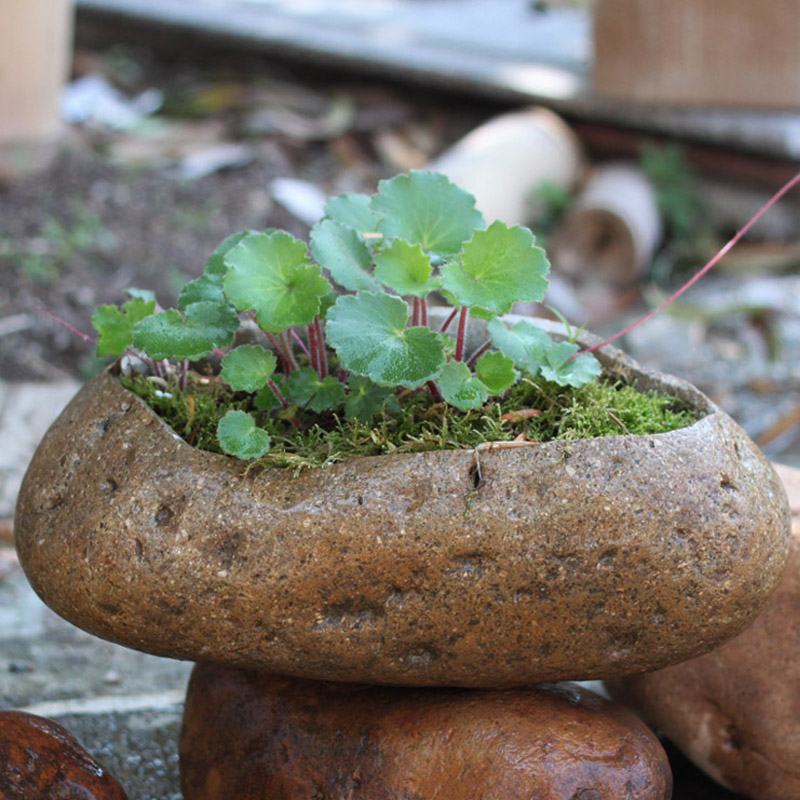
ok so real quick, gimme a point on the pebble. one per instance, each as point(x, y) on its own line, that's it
point(40, 760)
point(255, 736)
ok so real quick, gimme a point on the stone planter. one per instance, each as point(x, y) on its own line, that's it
point(591, 559)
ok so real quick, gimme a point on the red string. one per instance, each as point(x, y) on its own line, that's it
point(66, 324)
point(771, 202)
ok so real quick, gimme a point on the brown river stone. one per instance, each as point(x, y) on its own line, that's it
point(736, 711)
point(255, 736)
point(560, 561)
point(40, 760)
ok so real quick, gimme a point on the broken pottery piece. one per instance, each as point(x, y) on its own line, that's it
point(40, 760)
point(735, 711)
point(302, 739)
point(562, 561)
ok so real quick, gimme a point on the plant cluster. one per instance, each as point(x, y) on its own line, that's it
point(345, 327)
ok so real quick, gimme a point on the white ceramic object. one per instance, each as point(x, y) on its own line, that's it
point(505, 160)
point(614, 228)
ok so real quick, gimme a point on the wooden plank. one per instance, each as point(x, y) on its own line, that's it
point(709, 52)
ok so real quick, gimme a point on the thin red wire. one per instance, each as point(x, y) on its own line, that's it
point(771, 202)
point(85, 337)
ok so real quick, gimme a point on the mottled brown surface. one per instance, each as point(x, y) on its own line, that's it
point(736, 711)
point(254, 736)
point(40, 760)
point(568, 561)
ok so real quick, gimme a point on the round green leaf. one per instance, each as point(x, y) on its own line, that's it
point(353, 210)
point(216, 261)
point(460, 388)
point(272, 274)
point(170, 335)
point(238, 436)
point(498, 267)
point(565, 372)
point(496, 371)
point(364, 398)
point(205, 288)
point(341, 251)
point(425, 208)
point(525, 344)
point(368, 332)
point(305, 388)
point(405, 268)
point(248, 368)
point(115, 325)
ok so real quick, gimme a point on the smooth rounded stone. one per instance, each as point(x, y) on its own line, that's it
point(735, 712)
point(255, 736)
point(560, 561)
point(40, 760)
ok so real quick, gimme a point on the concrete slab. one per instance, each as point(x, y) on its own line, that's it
point(125, 707)
point(26, 412)
point(504, 49)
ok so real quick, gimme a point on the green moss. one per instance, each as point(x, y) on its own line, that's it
point(532, 410)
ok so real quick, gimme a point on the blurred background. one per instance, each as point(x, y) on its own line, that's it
point(634, 138)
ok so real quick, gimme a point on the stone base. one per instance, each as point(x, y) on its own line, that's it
point(256, 736)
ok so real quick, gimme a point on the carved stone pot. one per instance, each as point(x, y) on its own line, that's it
point(564, 561)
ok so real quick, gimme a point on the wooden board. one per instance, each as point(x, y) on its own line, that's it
point(699, 52)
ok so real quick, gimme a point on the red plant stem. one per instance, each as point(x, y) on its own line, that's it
point(714, 261)
point(313, 353)
point(281, 399)
point(278, 348)
point(415, 312)
point(462, 330)
point(434, 390)
point(66, 324)
point(287, 346)
point(478, 353)
point(301, 343)
point(423, 311)
point(323, 356)
point(447, 322)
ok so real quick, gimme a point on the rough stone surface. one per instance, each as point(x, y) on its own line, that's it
point(302, 739)
point(736, 711)
point(564, 561)
point(40, 760)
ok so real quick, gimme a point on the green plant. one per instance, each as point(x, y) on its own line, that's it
point(348, 352)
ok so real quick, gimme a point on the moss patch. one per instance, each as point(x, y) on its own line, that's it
point(532, 410)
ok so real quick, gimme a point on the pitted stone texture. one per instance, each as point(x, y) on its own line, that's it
point(260, 737)
point(736, 711)
point(40, 760)
point(571, 561)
